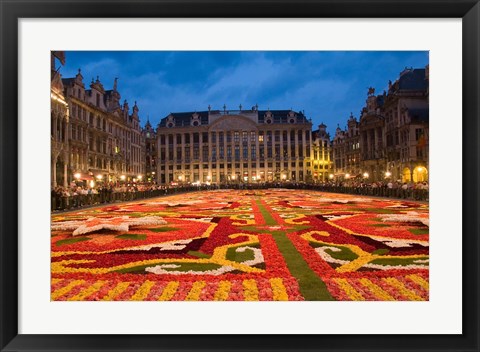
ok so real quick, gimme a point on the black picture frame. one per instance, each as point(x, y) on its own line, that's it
point(12, 11)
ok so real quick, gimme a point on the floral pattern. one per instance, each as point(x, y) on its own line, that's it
point(243, 245)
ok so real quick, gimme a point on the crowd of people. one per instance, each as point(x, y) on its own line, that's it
point(76, 196)
point(381, 184)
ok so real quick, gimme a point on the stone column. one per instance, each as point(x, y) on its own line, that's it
point(304, 158)
point(167, 162)
point(65, 171)
point(54, 172)
point(209, 142)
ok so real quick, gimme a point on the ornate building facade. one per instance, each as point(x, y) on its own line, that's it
point(59, 126)
point(151, 155)
point(221, 146)
point(346, 151)
point(406, 111)
point(372, 139)
point(94, 137)
point(391, 139)
point(322, 163)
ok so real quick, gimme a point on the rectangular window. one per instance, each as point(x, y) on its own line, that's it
point(244, 137)
point(237, 152)
point(205, 153)
point(253, 137)
point(221, 151)
point(236, 137)
point(269, 152)
point(220, 137)
point(269, 137)
point(260, 136)
point(245, 153)
point(418, 133)
point(229, 137)
point(254, 152)
point(277, 136)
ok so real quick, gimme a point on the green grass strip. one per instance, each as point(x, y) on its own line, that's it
point(240, 257)
point(311, 286)
point(269, 220)
point(164, 229)
point(199, 254)
point(379, 225)
point(71, 240)
point(419, 231)
point(132, 236)
point(181, 267)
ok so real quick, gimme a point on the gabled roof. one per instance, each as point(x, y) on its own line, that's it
point(413, 80)
point(281, 116)
point(68, 81)
point(184, 118)
point(419, 115)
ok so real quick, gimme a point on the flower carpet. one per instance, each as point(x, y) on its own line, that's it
point(243, 245)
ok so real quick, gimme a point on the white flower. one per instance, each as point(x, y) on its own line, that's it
point(409, 216)
point(120, 223)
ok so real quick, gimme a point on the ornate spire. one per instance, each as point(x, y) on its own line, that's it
point(115, 81)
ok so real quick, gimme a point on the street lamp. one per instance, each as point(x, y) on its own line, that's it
point(123, 177)
point(347, 176)
point(388, 174)
point(77, 176)
point(330, 176)
point(365, 175)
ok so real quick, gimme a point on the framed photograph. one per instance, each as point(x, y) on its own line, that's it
point(230, 176)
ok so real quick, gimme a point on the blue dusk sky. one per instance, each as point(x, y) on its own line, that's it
point(327, 85)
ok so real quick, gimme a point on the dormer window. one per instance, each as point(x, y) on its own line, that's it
point(195, 121)
point(170, 124)
point(292, 117)
point(268, 117)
